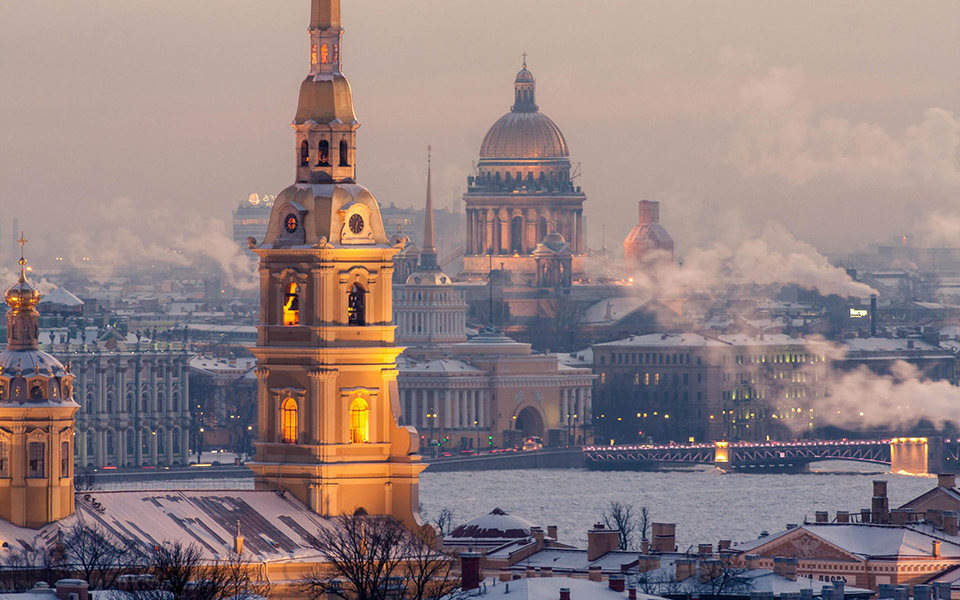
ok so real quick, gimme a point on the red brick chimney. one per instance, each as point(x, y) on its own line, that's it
point(617, 583)
point(564, 593)
point(470, 570)
point(946, 480)
point(950, 522)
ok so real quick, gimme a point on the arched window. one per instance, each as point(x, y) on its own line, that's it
point(145, 403)
point(36, 453)
point(291, 304)
point(160, 402)
point(176, 441)
point(36, 393)
point(324, 54)
point(304, 153)
point(313, 54)
point(175, 401)
point(323, 153)
point(110, 448)
point(91, 443)
point(344, 157)
point(109, 403)
point(359, 422)
point(65, 459)
point(131, 443)
point(356, 306)
point(518, 96)
point(161, 442)
point(288, 421)
point(145, 444)
point(128, 402)
point(516, 234)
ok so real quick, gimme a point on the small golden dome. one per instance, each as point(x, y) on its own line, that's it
point(22, 295)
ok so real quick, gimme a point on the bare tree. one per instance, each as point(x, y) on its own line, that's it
point(619, 515)
point(721, 577)
point(183, 573)
point(373, 557)
point(85, 480)
point(97, 557)
point(643, 523)
point(22, 566)
point(444, 521)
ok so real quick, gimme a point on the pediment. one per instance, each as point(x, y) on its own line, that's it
point(805, 545)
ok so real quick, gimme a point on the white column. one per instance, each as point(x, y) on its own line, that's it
point(448, 413)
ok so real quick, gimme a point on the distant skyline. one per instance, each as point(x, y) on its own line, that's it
point(126, 121)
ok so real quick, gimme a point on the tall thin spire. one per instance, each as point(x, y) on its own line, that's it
point(428, 256)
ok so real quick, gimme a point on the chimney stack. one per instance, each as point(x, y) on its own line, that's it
point(710, 569)
point(752, 561)
point(950, 522)
point(935, 548)
point(601, 540)
point(664, 537)
point(632, 592)
point(645, 546)
point(947, 480)
point(617, 583)
point(785, 566)
point(685, 568)
point(546, 571)
point(238, 541)
point(506, 575)
point(821, 516)
point(922, 592)
point(880, 503)
point(470, 570)
point(843, 516)
point(72, 588)
point(705, 549)
point(724, 545)
point(595, 573)
point(552, 532)
point(564, 593)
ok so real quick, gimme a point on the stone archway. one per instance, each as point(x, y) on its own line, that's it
point(530, 422)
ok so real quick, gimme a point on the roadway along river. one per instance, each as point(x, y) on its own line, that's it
point(706, 504)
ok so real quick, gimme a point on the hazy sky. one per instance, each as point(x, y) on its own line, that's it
point(839, 119)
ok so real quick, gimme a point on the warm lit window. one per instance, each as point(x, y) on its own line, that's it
point(355, 306)
point(323, 153)
point(37, 468)
point(288, 421)
point(65, 459)
point(4, 460)
point(304, 153)
point(324, 54)
point(313, 54)
point(291, 305)
point(359, 422)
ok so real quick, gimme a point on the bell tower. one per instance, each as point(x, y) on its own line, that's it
point(36, 418)
point(325, 123)
point(327, 373)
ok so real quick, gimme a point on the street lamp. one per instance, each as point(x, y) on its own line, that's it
point(476, 425)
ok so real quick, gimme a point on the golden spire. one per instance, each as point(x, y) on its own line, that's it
point(428, 256)
point(22, 318)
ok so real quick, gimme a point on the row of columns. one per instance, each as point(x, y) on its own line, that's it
point(429, 324)
point(98, 454)
point(575, 406)
point(92, 376)
point(490, 230)
point(455, 409)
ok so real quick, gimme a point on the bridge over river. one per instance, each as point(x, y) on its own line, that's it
point(917, 455)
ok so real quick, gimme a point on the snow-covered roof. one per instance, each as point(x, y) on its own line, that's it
point(878, 344)
point(61, 296)
point(619, 308)
point(664, 340)
point(767, 339)
point(865, 540)
point(492, 529)
point(548, 588)
point(223, 366)
point(442, 365)
point(276, 526)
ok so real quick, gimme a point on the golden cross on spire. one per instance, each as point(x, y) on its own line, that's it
point(524, 60)
point(22, 241)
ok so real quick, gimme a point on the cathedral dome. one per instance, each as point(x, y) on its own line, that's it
point(429, 278)
point(524, 75)
point(492, 529)
point(325, 100)
point(524, 135)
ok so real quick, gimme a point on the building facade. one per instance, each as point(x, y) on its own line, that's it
point(251, 218)
point(648, 240)
point(327, 374)
point(523, 189)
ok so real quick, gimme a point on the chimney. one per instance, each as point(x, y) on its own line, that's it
point(935, 548)
point(951, 519)
point(564, 593)
point(685, 568)
point(723, 545)
point(880, 504)
point(632, 592)
point(645, 546)
point(78, 589)
point(238, 541)
point(552, 532)
point(664, 537)
point(752, 561)
point(806, 593)
point(843, 516)
point(705, 549)
point(785, 566)
point(506, 575)
point(648, 563)
point(617, 583)
point(537, 534)
point(873, 315)
point(934, 517)
point(546, 571)
point(821, 516)
point(470, 570)
point(899, 516)
point(941, 589)
point(922, 592)
point(601, 540)
point(838, 588)
point(946, 480)
point(595, 573)
point(865, 515)
point(531, 572)
point(710, 569)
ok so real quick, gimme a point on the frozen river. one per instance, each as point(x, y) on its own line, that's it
point(706, 504)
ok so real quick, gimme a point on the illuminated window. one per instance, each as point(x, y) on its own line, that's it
point(344, 156)
point(323, 153)
point(36, 466)
point(65, 459)
point(359, 422)
point(304, 153)
point(288, 421)
point(356, 306)
point(313, 54)
point(291, 305)
point(324, 54)
point(336, 53)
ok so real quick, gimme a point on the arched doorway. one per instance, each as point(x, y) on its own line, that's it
point(530, 422)
point(516, 234)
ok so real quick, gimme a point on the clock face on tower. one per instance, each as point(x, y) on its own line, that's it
point(356, 224)
point(290, 223)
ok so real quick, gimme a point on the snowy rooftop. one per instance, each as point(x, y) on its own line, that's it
point(443, 365)
point(61, 296)
point(222, 366)
point(614, 308)
point(276, 527)
point(866, 541)
point(664, 340)
point(548, 588)
point(878, 344)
